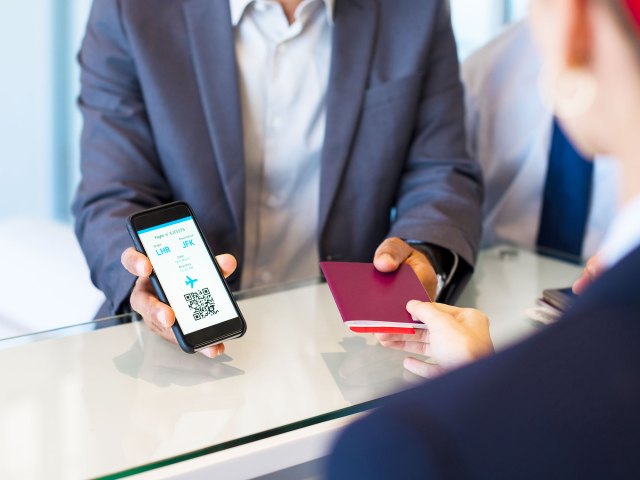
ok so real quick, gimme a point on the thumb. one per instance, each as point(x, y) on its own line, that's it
point(390, 254)
point(227, 263)
point(427, 313)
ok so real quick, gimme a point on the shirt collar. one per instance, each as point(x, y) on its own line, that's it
point(238, 8)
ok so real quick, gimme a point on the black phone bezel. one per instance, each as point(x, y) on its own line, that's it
point(194, 341)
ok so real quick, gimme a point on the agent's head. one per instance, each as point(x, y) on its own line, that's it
point(591, 71)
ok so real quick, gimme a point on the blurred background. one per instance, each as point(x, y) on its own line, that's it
point(44, 283)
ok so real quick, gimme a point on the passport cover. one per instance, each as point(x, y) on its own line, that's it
point(372, 301)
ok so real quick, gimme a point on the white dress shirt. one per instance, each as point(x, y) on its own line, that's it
point(283, 72)
point(509, 131)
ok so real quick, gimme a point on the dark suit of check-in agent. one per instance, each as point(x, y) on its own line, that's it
point(167, 104)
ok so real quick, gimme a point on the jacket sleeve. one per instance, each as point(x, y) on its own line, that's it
point(120, 170)
point(440, 195)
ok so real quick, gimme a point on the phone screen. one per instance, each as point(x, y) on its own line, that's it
point(188, 276)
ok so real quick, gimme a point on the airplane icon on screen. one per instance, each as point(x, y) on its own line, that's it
point(190, 281)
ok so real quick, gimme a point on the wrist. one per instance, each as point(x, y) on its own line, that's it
point(443, 261)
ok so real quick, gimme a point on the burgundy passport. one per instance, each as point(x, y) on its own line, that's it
point(371, 301)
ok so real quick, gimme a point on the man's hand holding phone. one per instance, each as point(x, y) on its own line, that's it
point(174, 255)
point(159, 316)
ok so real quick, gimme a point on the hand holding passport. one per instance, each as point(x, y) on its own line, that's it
point(370, 301)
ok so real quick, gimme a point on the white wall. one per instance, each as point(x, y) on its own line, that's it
point(27, 107)
point(26, 113)
point(475, 22)
point(39, 132)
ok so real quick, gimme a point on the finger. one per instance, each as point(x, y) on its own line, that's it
point(421, 335)
point(227, 263)
point(595, 266)
point(581, 284)
point(448, 309)
point(419, 348)
point(165, 333)
point(422, 369)
point(428, 313)
point(586, 279)
point(592, 270)
point(390, 254)
point(146, 303)
point(213, 351)
point(467, 316)
point(423, 269)
point(136, 263)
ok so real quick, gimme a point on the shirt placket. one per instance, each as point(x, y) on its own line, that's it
point(275, 175)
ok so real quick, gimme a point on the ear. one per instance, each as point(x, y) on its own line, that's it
point(579, 33)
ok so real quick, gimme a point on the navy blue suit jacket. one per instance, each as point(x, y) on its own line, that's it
point(162, 122)
point(563, 404)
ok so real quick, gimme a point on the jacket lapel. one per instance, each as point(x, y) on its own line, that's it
point(213, 52)
point(353, 41)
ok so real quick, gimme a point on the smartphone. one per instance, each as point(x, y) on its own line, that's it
point(186, 276)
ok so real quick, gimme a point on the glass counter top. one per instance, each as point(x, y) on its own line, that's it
point(86, 401)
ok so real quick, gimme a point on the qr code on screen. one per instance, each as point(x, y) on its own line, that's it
point(201, 303)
